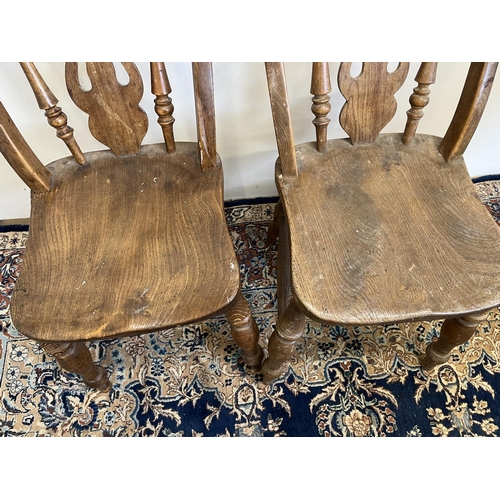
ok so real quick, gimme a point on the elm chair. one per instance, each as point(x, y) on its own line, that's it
point(378, 229)
point(127, 240)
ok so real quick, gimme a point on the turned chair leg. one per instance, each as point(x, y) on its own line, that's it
point(245, 332)
point(454, 332)
point(284, 289)
point(273, 230)
point(75, 358)
point(288, 331)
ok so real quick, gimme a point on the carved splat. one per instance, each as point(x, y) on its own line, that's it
point(370, 102)
point(115, 118)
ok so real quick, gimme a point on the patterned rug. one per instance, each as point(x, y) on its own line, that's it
point(189, 381)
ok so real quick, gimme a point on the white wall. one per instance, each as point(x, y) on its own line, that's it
point(245, 132)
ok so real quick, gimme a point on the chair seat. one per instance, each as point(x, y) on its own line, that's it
point(413, 233)
point(122, 246)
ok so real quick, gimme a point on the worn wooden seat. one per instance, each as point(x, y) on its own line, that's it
point(381, 228)
point(127, 240)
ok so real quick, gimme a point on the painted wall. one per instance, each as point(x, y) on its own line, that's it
point(245, 131)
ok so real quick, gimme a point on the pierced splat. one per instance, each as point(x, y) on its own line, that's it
point(115, 118)
point(370, 102)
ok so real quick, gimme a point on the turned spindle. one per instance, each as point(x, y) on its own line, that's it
point(426, 76)
point(160, 87)
point(55, 116)
point(321, 88)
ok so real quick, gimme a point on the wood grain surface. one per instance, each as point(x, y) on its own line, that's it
point(392, 233)
point(126, 245)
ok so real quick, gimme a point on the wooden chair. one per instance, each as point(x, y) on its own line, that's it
point(378, 229)
point(127, 240)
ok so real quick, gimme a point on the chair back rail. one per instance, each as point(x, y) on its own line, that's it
point(469, 110)
point(370, 105)
point(115, 117)
point(205, 114)
point(276, 81)
point(20, 156)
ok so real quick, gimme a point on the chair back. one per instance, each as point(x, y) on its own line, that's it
point(115, 118)
point(370, 105)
